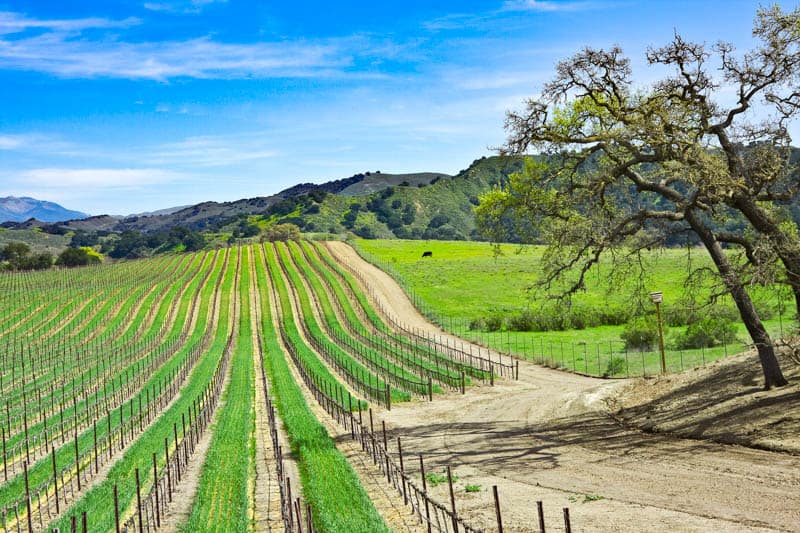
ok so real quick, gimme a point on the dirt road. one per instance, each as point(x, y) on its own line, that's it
point(549, 437)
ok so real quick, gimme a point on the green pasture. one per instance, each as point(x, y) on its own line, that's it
point(465, 281)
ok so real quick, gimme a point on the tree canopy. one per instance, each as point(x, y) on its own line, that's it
point(632, 166)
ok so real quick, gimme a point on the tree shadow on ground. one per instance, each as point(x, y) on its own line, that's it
point(727, 405)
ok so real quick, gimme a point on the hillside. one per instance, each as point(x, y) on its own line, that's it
point(16, 209)
point(407, 206)
point(371, 204)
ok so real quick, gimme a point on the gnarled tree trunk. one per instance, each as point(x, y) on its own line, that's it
point(773, 377)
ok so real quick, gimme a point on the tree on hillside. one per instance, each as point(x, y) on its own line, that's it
point(18, 256)
point(74, 257)
point(281, 232)
point(633, 166)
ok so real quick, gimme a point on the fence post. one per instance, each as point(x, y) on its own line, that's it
point(55, 480)
point(425, 493)
point(497, 510)
point(28, 498)
point(139, 502)
point(452, 499)
point(77, 462)
point(402, 471)
point(567, 525)
point(540, 510)
point(116, 508)
point(5, 464)
point(169, 471)
point(155, 489)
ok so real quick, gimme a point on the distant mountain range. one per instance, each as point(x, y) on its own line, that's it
point(21, 209)
point(422, 205)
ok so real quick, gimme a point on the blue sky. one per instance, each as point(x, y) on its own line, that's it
point(129, 106)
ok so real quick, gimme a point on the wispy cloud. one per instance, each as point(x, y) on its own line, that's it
point(64, 49)
point(11, 22)
point(195, 58)
point(192, 7)
point(104, 178)
point(12, 142)
point(548, 6)
point(215, 151)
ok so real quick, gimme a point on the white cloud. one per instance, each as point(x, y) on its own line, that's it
point(214, 151)
point(103, 178)
point(189, 7)
point(12, 142)
point(547, 6)
point(63, 49)
point(196, 58)
point(11, 22)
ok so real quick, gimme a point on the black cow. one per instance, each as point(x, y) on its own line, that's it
point(427, 254)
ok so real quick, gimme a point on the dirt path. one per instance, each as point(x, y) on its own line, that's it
point(548, 437)
point(264, 482)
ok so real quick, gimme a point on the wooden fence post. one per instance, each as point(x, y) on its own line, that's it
point(540, 510)
point(567, 524)
point(425, 493)
point(116, 508)
point(155, 489)
point(55, 480)
point(497, 510)
point(452, 497)
point(402, 471)
point(28, 497)
point(139, 502)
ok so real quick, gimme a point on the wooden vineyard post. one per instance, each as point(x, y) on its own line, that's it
point(169, 472)
point(567, 524)
point(155, 490)
point(177, 450)
point(289, 500)
point(425, 493)
point(463, 383)
point(28, 498)
point(84, 523)
point(540, 510)
point(430, 388)
point(452, 499)
point(352, 419)
point(299, 515)
point(116, 508)
point(497, 510)
point(55, 480)
point(386, 452)
point(5, 464)
point(402, 471)
point(491, 374)
point(77, 462)
point(139, 502)
point(96, 461)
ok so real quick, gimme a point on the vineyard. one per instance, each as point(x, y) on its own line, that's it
point(213, 392)
point(295, 387)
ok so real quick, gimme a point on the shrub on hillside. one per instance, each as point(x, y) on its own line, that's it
point(706, 333)
point(640, 333)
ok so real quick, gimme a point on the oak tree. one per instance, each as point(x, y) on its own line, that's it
point(627, 165)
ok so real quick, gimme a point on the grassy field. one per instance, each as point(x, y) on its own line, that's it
point(465, 281)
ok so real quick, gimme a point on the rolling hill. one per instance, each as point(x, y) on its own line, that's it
point(16, 209)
